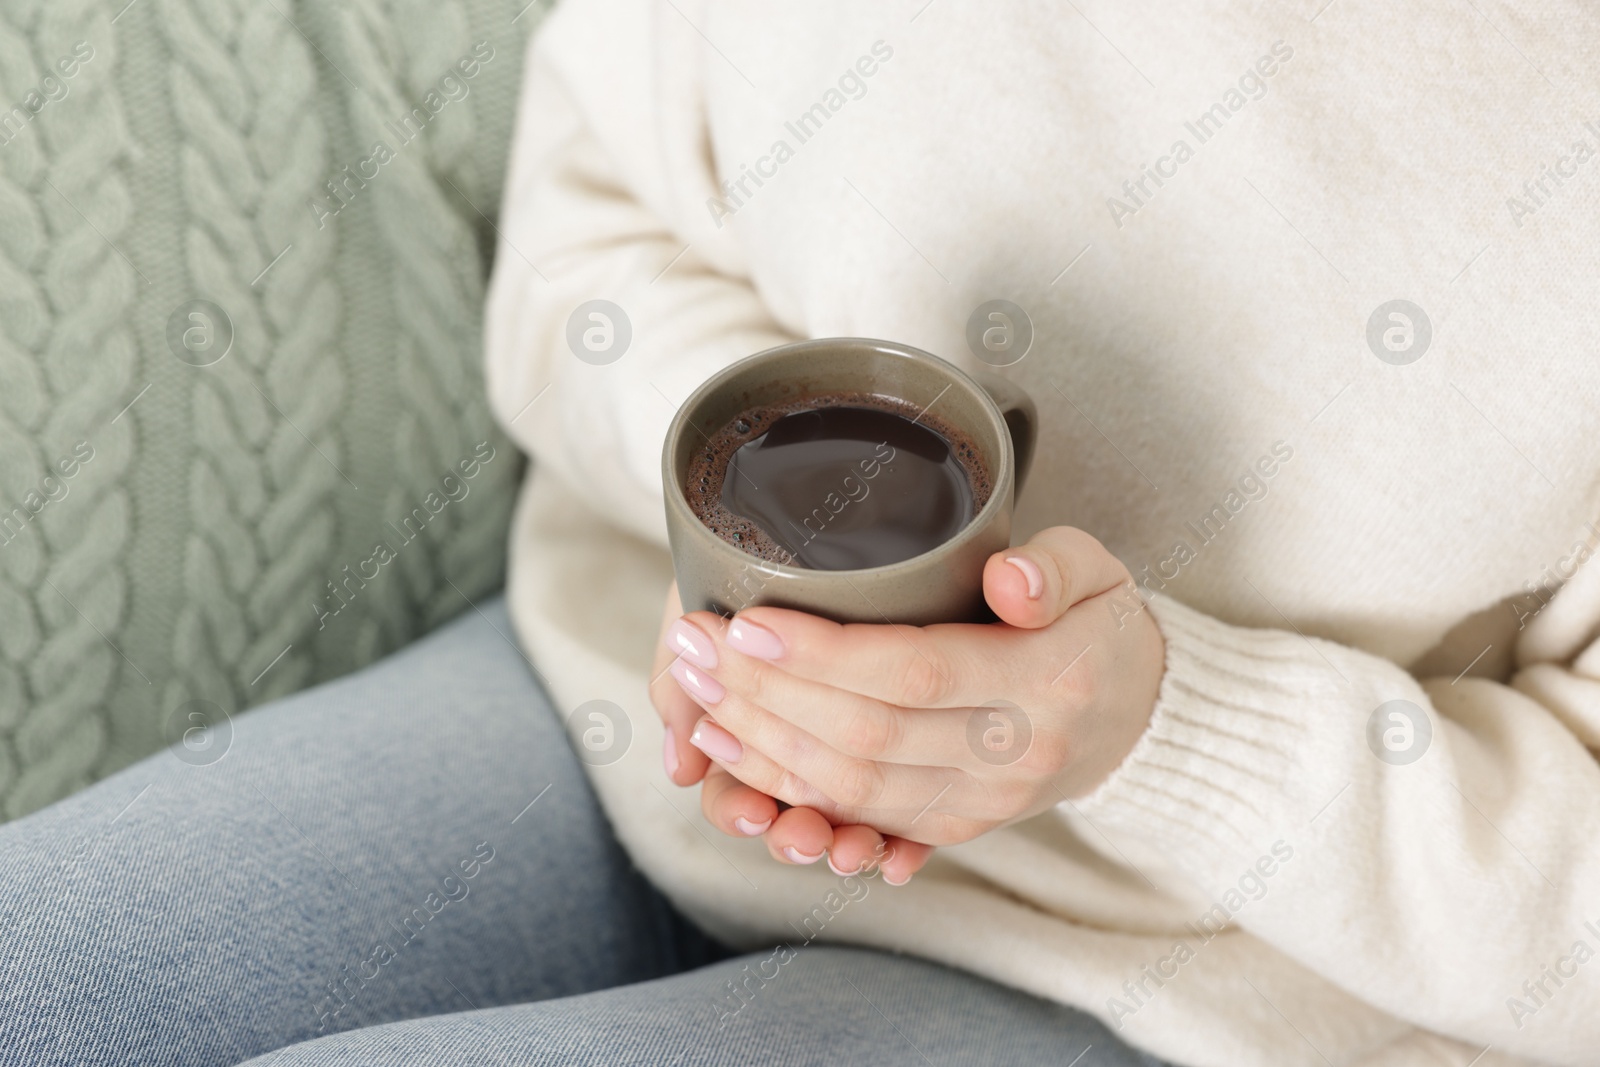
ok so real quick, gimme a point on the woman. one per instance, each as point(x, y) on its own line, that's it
point(1309, 780)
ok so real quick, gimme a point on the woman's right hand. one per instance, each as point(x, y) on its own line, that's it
point(792, 835)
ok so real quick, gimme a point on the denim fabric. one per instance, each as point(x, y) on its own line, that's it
point(407, 866)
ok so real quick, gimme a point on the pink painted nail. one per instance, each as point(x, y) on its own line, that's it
point(669, 754)
point(1033, 576)
point(796, 856)
point(692, 643)
point(891, 881)
point(716, 742)
point(751, 829)
point(753, 640)
point(696, 683)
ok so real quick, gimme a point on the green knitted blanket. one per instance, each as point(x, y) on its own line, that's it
point(243, 442)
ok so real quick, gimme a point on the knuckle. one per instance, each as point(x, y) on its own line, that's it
point(790, 748)
point(1077, 542)
point(922, 682)
point(842, 815)
point(1080, 685)
point(839, 814)
point(754, 681)
point(787, 787)
point(869, 734)
point(1047, 755)
point(857, 784)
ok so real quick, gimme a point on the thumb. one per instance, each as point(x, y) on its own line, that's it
point(1034, 584)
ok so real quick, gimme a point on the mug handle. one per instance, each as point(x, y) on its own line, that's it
point(1022, 418)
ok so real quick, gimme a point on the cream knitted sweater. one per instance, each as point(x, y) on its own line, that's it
point(1203, 212)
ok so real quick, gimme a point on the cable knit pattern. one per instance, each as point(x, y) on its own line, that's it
point(181, 162)
point(68, 361)
point(431, 47)
point(436, 294)
point(252, 152)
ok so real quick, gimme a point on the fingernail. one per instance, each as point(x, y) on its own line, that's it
point(692, 643)
point(753, 640)
point(891, 881)
point(751, 829)
point(669, 755)
point(794, 855)
point(697, 684)
point(716, 742)
point(834, 868)
point(1035, 579)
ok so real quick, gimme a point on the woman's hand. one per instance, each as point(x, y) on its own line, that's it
point(793, 835)
point(935, 734)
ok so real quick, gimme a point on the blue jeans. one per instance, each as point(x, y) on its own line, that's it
point(407, 866)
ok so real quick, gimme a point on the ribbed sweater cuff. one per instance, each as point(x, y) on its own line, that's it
point(1222, 763)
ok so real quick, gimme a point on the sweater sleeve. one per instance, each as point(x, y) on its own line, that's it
point(605, 201)
point(1431, 846)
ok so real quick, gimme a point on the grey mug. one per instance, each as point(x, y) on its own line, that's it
point(941, 585)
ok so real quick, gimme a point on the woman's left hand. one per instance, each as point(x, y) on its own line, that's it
point(937, 734)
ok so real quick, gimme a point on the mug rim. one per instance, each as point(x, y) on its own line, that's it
point(678, 502)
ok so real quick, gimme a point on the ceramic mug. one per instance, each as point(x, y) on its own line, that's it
point(941, 585)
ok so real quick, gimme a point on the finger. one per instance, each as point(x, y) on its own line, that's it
point(770, 753)
point(800, 836)
point(859, 848)
point(1033, 584)
point(947, 665)
point(902, 859)
point(849, 723)
point(735, 808)
point(906, 788)
point(855, 848)
point(758, 772)
point(952, 665)
point(685, 764)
